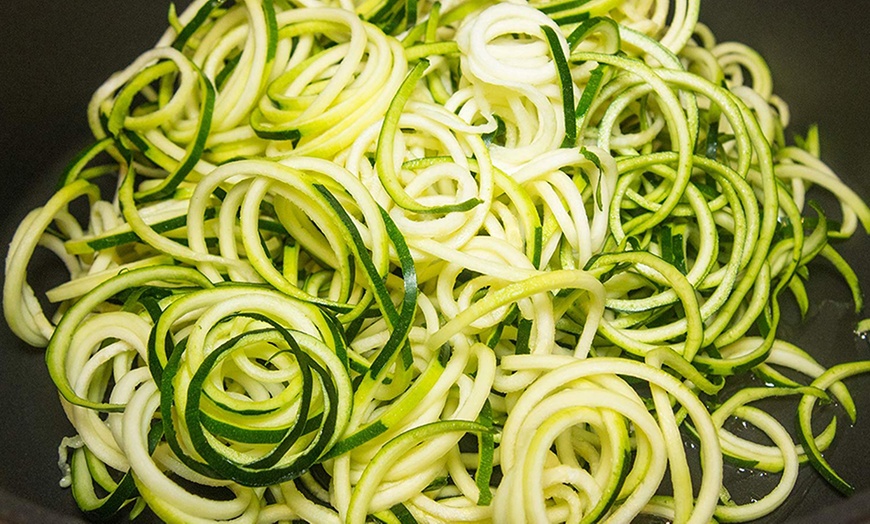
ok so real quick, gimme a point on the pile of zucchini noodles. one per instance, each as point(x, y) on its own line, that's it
point(419, 262)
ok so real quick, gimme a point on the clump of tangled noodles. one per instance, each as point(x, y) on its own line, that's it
point(472, 261)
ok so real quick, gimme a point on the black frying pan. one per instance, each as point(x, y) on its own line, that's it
point(54, 54)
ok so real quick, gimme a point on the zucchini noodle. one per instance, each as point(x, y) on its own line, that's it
point(476, 261)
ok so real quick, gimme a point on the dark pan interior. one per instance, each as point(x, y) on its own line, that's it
point(54, 54)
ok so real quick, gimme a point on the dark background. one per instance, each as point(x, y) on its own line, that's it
point(53, 55)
